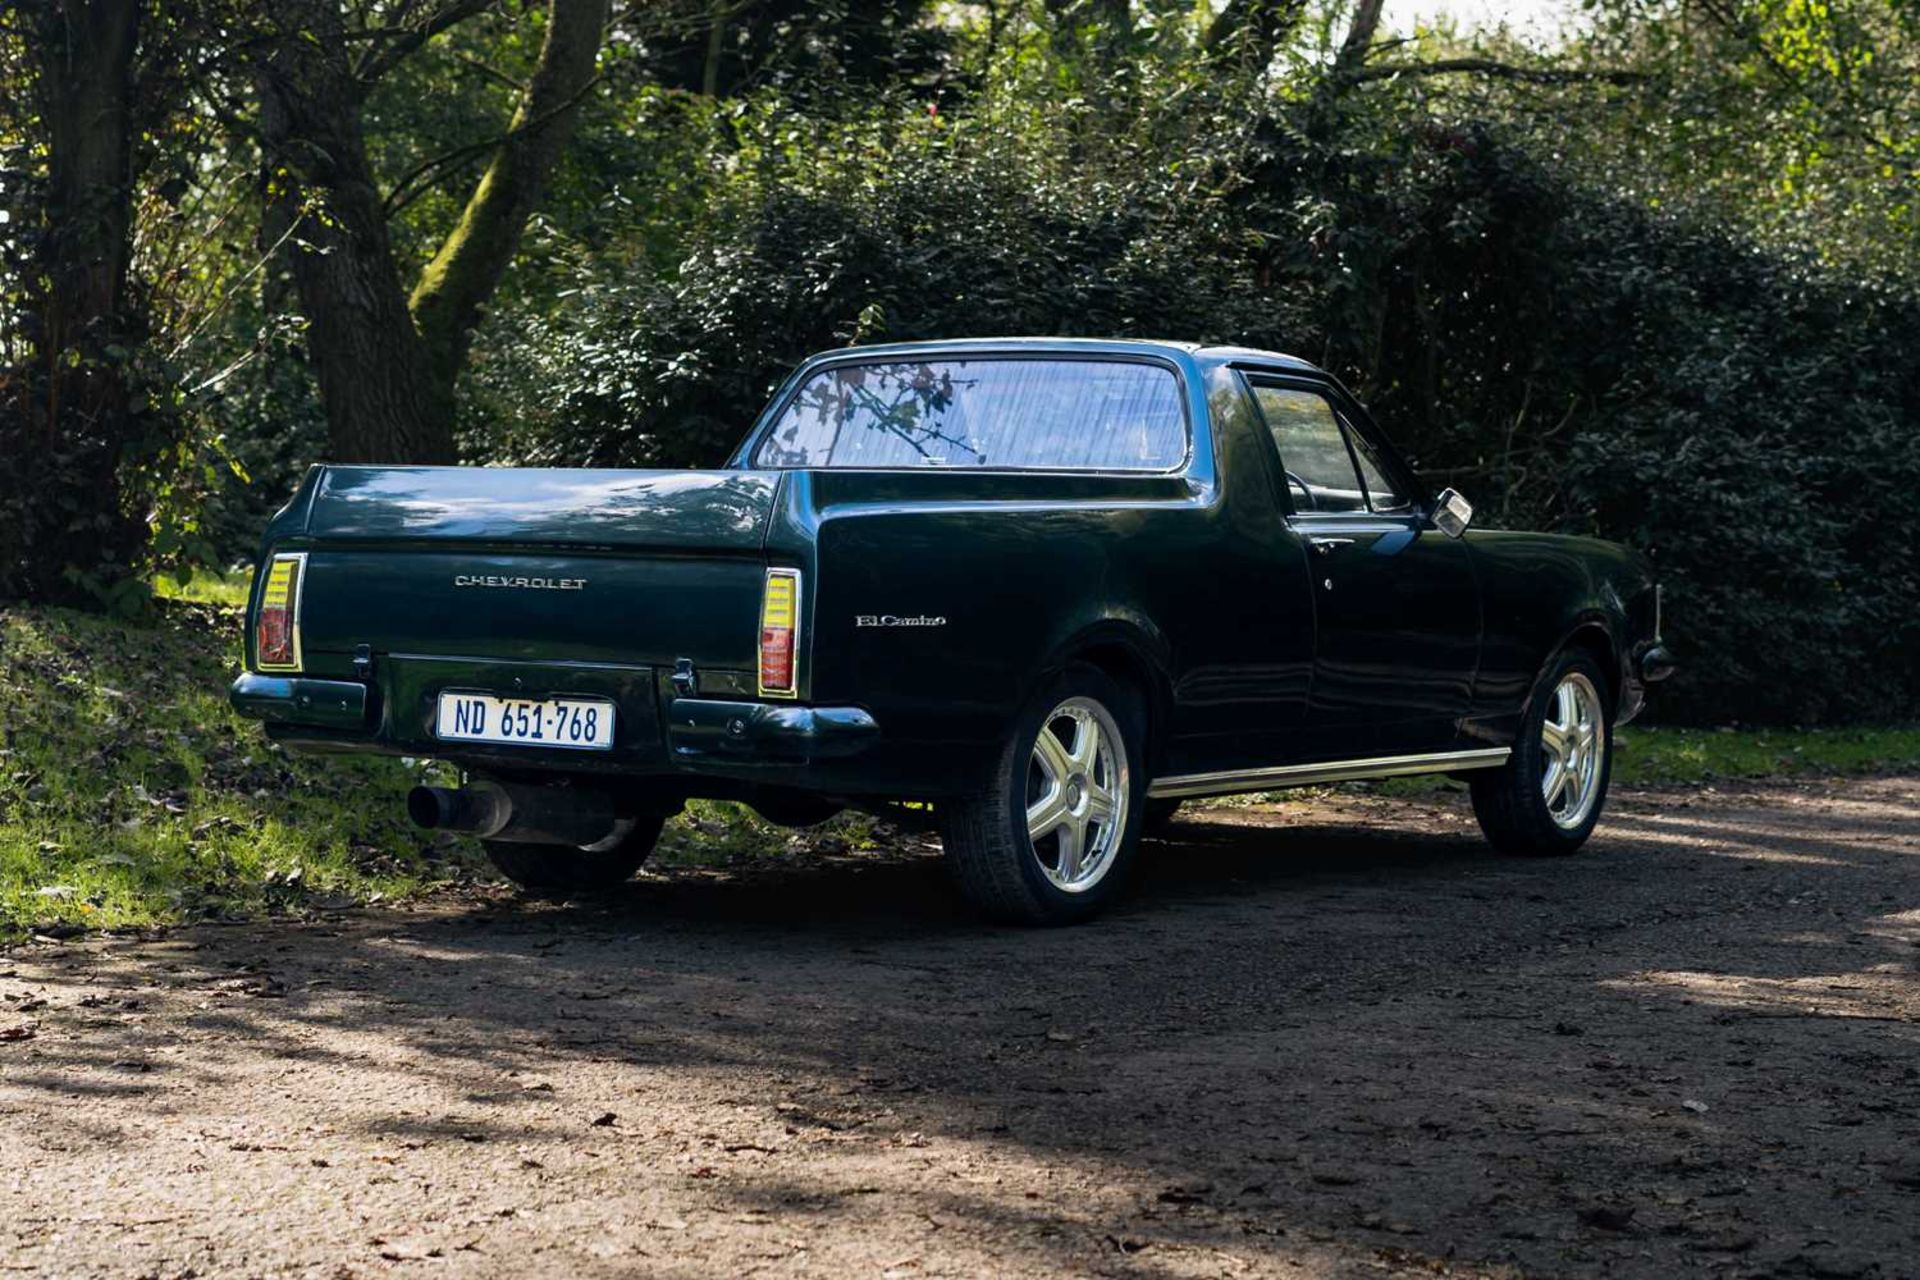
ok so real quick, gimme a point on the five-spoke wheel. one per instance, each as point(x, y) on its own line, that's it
point(1050, 837)
point(1077, 794)
point(1548, 796)
point(1570, 741)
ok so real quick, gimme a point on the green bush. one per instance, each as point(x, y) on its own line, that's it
point(1571, 359)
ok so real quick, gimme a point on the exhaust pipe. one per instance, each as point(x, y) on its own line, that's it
point(583, 818)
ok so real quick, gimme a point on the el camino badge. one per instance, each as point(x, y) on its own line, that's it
point(524, 584)
point(889, 620)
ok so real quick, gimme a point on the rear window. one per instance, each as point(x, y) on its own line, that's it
point(1106, 415)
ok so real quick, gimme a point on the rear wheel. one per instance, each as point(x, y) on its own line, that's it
point(1053, 837)
point(1547, 798)
point(562, 867)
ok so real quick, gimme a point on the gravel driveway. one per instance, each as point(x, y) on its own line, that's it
point(1327, 1038)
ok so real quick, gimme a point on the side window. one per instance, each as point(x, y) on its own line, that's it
point(1313, 449)
point(1381, 492)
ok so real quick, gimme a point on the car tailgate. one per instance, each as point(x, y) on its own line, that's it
point(638, 567)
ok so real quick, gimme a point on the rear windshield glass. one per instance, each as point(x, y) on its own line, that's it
point(1106, 415)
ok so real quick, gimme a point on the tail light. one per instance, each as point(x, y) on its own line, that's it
point(779, 633)
point(276, 636)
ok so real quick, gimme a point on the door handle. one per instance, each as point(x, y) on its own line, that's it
point(1325, 546)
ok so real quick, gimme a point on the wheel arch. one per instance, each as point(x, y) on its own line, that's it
point(1592, 635)
point(1135, 655)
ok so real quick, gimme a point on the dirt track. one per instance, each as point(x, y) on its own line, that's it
point(1330, 1039)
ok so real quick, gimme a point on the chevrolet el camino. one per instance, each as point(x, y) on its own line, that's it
point(1036, 591)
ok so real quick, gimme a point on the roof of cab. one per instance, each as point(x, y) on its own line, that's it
point(1081, 346)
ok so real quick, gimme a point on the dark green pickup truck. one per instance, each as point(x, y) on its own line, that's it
point(1047, 588)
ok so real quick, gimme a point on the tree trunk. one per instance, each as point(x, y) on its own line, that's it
point(455, 286)
point(383, 403)
point(1249, 32)
point(62, 439)
point(387, 363)
point(1359, 41)
point(86, 94)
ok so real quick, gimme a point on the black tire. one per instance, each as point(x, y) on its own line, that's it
point(561, 867)
point(1511, 802)
point(988, 849)
point(1156, 818)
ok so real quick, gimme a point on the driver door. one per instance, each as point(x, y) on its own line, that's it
point(1396, 606)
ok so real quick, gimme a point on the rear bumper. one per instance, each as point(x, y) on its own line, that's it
point(744, 732)
point(325, 704)
point(701, 734)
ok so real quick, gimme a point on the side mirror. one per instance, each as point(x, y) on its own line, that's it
point(1452, 513)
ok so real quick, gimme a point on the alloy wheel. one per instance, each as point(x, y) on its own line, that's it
point(1573, 736)
point(1077, 794)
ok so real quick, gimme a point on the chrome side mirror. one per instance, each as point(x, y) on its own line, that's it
point(1452, 513)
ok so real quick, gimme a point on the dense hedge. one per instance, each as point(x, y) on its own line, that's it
point(1568, 359)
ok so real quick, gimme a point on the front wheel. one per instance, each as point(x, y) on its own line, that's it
point(559, 867)
point(1546, 799)
point(1053, 837)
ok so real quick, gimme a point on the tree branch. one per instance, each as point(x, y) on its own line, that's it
point(1497, 70)
point(402, 41)
point(1359, 41)
point(454, 287)
point(400, 197)
point(1251, 30)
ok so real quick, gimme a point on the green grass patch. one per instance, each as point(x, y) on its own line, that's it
point(1656, 755)
point(130, 793)
point(718, 834)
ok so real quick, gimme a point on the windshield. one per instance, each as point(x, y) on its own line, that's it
point(1101, 415)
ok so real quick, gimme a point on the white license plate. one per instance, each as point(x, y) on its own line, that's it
point(580, 724)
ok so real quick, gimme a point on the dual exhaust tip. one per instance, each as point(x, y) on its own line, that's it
point(578, 816)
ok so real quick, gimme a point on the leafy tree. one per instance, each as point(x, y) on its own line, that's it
point(73, 408)
point(387, 357)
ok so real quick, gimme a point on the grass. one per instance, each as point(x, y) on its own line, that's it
point(1666, 756)
point(130, 794)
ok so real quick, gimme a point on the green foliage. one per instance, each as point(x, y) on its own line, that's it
point(130, 793)
point(1673, 306)
point(1572, 359)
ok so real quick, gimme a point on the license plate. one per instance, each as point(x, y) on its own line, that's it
point(579, 724)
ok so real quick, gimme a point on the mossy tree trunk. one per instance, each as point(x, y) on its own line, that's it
point(387, 361)
point(447, 302)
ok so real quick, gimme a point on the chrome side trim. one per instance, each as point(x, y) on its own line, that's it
point(1298, 775)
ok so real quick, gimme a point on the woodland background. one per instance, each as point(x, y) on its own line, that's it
point(1657, 280)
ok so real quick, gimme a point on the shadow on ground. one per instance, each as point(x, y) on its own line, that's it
point(1332, 1038)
